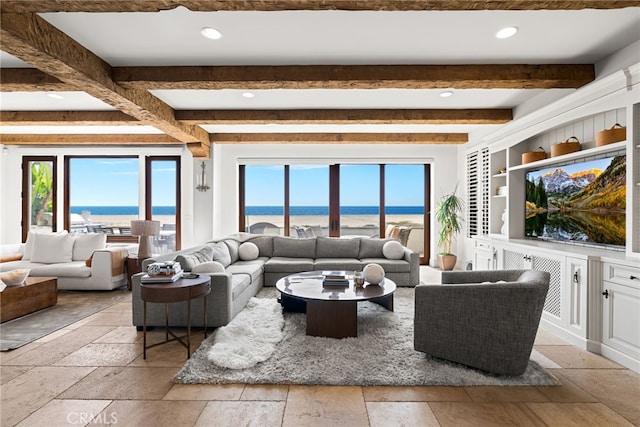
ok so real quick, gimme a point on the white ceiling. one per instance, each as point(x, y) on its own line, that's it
point(335, 37)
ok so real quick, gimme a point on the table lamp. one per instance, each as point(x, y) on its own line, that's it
point(145, 230)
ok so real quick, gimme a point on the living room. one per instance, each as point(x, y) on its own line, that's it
point(572, 334)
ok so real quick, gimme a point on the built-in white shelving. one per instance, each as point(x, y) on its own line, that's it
point(616, 146)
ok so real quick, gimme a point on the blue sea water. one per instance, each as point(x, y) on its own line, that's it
point(259, 210)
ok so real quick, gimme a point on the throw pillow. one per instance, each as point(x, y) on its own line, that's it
point(393, 250)
point(53, 248)
point(248, 251)
point(208, 267)
point(189, 260)
point(86, 244)
point(28, 245)
point(220, 253)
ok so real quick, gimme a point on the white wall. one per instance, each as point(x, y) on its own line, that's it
point(227, 158)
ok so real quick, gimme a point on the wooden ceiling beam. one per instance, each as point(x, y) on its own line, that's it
point(281, 5)
point(339, 138)
point(88, 139)
point(347, 116)
point(35, 41)
point(473, 76)
point(67, 118)
point(30, 80)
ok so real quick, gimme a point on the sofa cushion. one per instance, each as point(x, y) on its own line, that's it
point(65, 269)
point(221, 253)
point(288, 265)
point(86, 244)
point(208, 267)
point(264, 244)
point(331, 247)
point(53, 248)
point(239, 283)
point(294, 248)
point(389, 265)
point(188, 260)
point(372, 248)
point(253, 268)
point(28, 246)
point(248, 251)
point(348, 264)
point(234, 247)
point(393, 250)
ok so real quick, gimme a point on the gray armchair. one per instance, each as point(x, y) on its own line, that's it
point(489, 326)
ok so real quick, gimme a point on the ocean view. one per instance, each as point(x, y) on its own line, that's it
point(259, 210)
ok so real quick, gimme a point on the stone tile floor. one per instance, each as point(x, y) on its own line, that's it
point(92, 373)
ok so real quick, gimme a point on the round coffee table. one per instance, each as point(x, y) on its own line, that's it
point(332, 310)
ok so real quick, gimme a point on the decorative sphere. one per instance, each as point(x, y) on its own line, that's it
point(373, 273)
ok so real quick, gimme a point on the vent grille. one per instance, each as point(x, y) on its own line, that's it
point(553, 302)
point(513, 260)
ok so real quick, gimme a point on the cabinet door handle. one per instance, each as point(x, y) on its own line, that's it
point(633, 277)
point(576, 277)
point(606, 293)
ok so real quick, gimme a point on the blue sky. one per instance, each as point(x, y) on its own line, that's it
point(309, 185)
point(114, 182)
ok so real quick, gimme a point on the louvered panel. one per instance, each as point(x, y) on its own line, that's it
point(484, 207)
point(472, 194)
point(553, 301)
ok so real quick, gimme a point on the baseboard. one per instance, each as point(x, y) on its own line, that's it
point(621, 358)
point(563, 334)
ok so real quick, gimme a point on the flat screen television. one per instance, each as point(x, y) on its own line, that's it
point(583, 202)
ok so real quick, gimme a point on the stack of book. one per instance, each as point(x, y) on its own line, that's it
point(335, 278)
point(162, 272)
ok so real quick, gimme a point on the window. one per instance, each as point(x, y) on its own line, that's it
point(39, 194)
point(163, 200)
point(101, 194)
point(338, 200)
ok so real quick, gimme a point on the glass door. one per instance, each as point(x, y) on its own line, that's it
point(405, 201)
point(39, 194)
point(163, 200)
point(309, 200)
point(264, 199)
point(360, 200)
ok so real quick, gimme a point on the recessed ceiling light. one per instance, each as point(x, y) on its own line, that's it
point(506, 32)
point(446, 94)
point(211, 33)
point(55, 96)
point(248, 94)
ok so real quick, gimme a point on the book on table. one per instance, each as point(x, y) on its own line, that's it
point(335, 278)
point(161, 278)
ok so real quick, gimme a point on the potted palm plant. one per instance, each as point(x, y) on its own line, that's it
point(449, 215)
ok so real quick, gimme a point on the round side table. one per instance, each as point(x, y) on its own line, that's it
point(165, 293)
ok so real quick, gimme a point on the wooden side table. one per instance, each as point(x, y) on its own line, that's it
point(178, 291)
point(133, 265)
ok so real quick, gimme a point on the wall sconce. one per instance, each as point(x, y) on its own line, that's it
point(202, 180)
point(146, 230)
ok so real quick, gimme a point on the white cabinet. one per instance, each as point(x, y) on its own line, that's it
point(621, 309)
point(483, 256)
point(565, 307)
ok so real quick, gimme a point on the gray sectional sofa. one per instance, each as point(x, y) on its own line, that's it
point(277, 257)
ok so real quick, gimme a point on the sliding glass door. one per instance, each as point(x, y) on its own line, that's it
point(163, 200)
point(38, 194)
point(360, 200)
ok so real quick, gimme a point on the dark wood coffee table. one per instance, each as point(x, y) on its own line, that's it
point(36, 293)
point(332, 310)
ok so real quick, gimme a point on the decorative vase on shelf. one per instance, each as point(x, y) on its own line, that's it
point(503, 229)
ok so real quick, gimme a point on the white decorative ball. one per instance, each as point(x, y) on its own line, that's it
point(373, 273)
point(248, 251)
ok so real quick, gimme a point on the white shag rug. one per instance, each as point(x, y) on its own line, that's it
point(382, 354)
point(251, 337)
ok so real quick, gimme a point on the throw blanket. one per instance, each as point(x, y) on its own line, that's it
point(251, 337)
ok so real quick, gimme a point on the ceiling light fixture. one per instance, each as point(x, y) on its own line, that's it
point(248, 94)
point(55, 96)
point(446, 94)
point(506, 32)
point(211, 33)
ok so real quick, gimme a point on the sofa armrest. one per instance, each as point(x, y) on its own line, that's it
point(108, 262)
point(413, 258)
